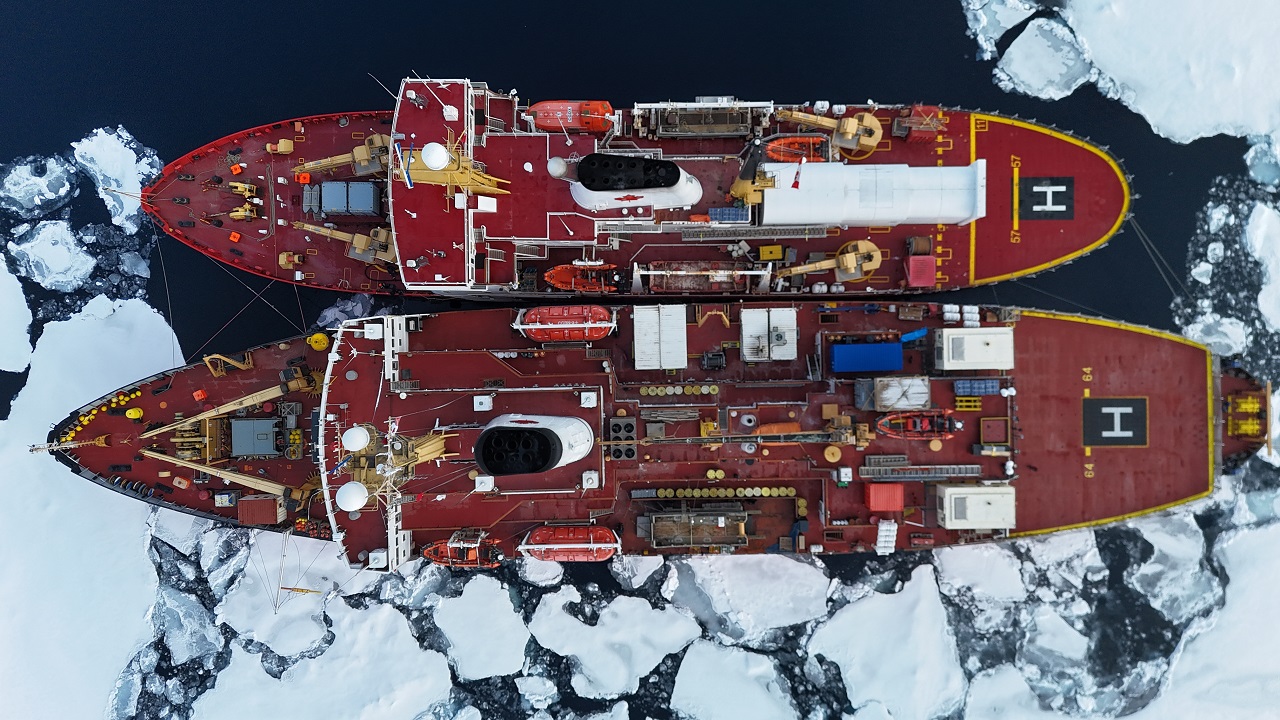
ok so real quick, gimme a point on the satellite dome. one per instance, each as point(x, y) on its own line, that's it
point(352, 496)
point(557, 167)
point(435, 156)
point(355, 439)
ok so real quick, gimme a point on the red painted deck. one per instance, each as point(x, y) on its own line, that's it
point(1107, 421)
point(1049, 197)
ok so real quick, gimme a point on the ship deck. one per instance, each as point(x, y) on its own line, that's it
point(1101, 421)
point(1049, 197)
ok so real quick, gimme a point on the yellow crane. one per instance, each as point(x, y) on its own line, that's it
point(862, 131)
point(369, 158)
point(253, 482)
point(379, 240)
point(859, 258)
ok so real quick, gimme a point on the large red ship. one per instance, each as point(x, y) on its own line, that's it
point(574, 434)
point(466, 191)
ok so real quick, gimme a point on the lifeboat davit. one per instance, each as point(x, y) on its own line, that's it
point(810, 148)
point(919, 425)
point(582, 278)
point(570, 543)
point(586, 116)
point(466, 549)
point(574, 323)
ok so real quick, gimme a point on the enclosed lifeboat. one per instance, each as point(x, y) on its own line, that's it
point(570, 543)
point(466, 549)
point(580, 278)
point(574, 323)
point(919, 425)
point(585, 116)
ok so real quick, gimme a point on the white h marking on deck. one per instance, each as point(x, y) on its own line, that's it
point(1049, 191)
point(1117, 431)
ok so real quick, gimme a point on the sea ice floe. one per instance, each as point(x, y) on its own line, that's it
point(187, 626)
point(1262, 240)
point(1178, 542)
point(487, 637)
point(733, 586)
point(119, 166)
point(1224, 335)
point(629, 639)
point(539, 692)
point(896, 650)
point(32, 187)
point(1044, 61)
point(77, 608)
point(987, 569)
point(989, 20)
point(729, 683)
point(633, 570)
point(374, 669)
point(51, 255)
point(15, 323)
point(1263, 158)
point(543, 573)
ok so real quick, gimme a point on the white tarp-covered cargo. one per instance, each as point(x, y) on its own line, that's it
point(981, 348)
point(873, 195)
point(902, 393)
point(976, 507)
point(769, 334)
point(660, 339)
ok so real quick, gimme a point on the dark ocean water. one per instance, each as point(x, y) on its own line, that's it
point(178, 76)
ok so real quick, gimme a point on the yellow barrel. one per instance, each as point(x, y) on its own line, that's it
point(680, 492)
point(739, 492)
point(133, 413)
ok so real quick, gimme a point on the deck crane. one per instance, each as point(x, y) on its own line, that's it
point(369, 158)
point(857, 260)
point(861, 131)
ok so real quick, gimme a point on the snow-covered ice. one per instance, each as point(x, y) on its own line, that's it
point(538, 691)
point(542, 573)
point(1225, 335)
point(632, 571)
point(15, 323)
point(51, 255)
point(487, 637)
point(728, 683)
point(896, 650)
point(288, 622)
point(34, 186)
point(1262, 239)
point(733, 585)
point(987, 569)
point(117, 162)
point(1168, 63)
point(989, 20)
point(1044, 61)
point(374, 669)
point(629, 638)
point(1049, 634)
point(1178, 545)
point(76, 600)
point(1003, 694)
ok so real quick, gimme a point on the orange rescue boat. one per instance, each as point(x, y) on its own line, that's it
point(570, 543)
point(466, 549)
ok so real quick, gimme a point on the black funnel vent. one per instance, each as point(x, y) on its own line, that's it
point(598, 171)
point(506, 450)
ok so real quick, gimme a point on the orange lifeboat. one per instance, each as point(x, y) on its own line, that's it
point(571, 543)
point(585, 116)
point(919, 425)
point(810, 148)
point(466, 549)
point(574, 323)
point(582, 278)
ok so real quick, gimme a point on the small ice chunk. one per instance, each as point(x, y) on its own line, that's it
point(1203, 273)
point(1214, 251)
point(632, 571)
point(34, 186)
point(50, 255)
point(1223, 335)
point(1263, 159)
point(542, 573)
point(1045, 61)
point(132, 263)
point(119, 165)
point(538, 691)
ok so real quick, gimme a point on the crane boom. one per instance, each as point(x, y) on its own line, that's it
point(252, 482)
point(301, 381)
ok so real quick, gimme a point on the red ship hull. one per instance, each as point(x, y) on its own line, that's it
point(505, 216)
point(763, 440)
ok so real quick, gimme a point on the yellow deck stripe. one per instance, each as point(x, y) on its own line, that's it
point(1212, 435)
point(973, 226)
point(1017, 197)
point(1115, 227)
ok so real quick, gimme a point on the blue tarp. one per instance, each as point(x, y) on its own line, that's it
point(866, 357)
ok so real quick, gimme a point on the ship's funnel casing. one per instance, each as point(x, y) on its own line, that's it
point(607, 182)
point(873, 195)
point(516, 444)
